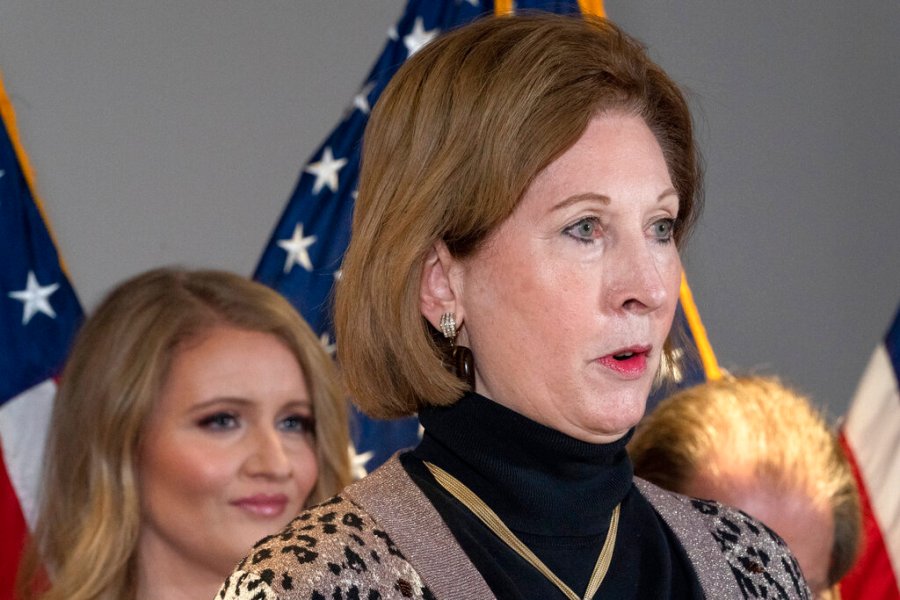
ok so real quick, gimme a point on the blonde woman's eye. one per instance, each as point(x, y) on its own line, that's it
point(298, 424)
point(219, 421)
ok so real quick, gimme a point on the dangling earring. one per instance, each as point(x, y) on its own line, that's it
point(464, 363)
point(463, 360)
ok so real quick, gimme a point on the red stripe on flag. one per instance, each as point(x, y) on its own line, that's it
point(872, 576)
point(14, 532)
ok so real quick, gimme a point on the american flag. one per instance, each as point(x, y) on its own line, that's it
point(39, 314)
point(303, 257)
point(871, 438)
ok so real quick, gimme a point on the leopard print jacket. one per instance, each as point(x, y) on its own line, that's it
point(340, 550)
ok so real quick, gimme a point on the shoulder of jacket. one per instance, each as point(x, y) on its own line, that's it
point(757, 557)
point(332, 550)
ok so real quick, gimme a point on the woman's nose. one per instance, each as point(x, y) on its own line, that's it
point(268, 456)
point(637, 278)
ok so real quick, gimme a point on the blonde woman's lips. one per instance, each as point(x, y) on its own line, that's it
point(263, 505)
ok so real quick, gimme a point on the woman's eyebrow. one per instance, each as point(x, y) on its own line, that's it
point(581, 198)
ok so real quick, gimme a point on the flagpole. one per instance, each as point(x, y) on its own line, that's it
point(8, 113)
point(592, 7)
point(698, 331)
point(588, 7)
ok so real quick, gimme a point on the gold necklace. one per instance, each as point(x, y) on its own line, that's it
point(481, 510)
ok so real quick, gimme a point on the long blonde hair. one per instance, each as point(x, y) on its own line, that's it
point(89, 520)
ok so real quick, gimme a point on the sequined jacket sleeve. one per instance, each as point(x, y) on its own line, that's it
point(334, 546)
point(733, 554)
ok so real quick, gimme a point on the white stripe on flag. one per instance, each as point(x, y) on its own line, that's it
point(23, 431)
point(873, 432)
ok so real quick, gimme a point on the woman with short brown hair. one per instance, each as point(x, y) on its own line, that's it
point(512, 277)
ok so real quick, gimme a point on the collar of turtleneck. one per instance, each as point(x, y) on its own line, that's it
point(538, 480)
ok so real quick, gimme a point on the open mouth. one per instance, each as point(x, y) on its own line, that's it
point(630, 363)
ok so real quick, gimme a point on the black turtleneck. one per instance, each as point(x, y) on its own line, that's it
point(556, 494)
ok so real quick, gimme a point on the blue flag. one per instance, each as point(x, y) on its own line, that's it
point(39, 314)
point(303, 257)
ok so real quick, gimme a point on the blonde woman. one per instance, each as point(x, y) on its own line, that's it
point(196, 414)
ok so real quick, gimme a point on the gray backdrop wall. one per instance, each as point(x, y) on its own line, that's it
point(173, 132)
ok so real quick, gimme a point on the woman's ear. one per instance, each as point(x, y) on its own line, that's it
point(439, 291)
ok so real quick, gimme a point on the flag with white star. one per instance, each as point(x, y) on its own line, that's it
point(303, 258)
point(39, 314)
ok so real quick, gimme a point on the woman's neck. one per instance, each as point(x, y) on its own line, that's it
point(164, 574)
point(537, 479)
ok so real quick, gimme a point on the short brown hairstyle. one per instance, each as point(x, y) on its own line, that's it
point(765, 427)
point(87, 528)
point(452, 145)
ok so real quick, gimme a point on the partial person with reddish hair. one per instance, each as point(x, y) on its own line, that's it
point(760, 446)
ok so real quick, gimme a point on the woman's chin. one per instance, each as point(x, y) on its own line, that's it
point(604, 427)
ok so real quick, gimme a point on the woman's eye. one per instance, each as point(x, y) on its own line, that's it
point(584, 230)
point(664, 230)
point(219, 420)
point(298, 423)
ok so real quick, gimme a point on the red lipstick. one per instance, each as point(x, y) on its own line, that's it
point(628, 363)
